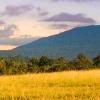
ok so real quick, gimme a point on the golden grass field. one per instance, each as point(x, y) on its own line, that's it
point(69, 85)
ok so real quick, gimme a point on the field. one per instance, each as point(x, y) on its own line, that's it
point(69, 85)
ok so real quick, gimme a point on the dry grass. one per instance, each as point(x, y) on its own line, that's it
point(70, 85)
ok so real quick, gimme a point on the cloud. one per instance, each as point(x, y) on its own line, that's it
point(60, 26)
point(13, 10)
point(18, 40)
point(66, 17)
point(8, 31)
point(43, 13)
point(77, 1)
point(38, 9)
point(2, 22)
point(7, 39)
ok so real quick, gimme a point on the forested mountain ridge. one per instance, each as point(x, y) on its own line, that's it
point(68, 44)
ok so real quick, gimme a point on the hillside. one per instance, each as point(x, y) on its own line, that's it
point(67, 44)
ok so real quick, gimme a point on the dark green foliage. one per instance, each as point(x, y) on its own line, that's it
point(44, 61)
point(59, 64)
point(33, 65)
point(82, 62)
point(19, 65)
point(2, 66)
point(96, 61)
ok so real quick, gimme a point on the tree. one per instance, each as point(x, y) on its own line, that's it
point(96, 61)
point(44, 61)
point(2, 66)
point(81, 62)
point(15, 65)
point(59, 65)
point(33, 65)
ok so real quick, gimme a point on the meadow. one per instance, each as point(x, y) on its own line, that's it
point(67, 85)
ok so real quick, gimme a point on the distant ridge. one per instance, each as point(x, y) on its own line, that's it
point(67, 44)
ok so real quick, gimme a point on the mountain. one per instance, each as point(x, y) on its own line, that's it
point(4, 53)
point(68, 44)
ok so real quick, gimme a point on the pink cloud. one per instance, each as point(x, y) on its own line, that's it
point(13, 10)
point(63, 17)
point(78, 1)
point(2, 22)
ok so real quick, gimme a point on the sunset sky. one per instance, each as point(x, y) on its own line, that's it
point(22, 21)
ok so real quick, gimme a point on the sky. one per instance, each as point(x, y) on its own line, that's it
point(23, 21)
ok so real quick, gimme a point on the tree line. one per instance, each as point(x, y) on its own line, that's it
point(21, 65)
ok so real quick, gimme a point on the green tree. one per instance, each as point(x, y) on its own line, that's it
point(33, 65)
point(96, 61)
point(81, 62)
point(2, 66)
point(43, 61)
point(59, 65)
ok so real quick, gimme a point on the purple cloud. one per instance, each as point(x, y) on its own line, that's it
point(43, 13)
point(18, 40)
point(39, 9)
point(78, 1)
point(66, 17)
point(8, 31)
point(13, 10)
point(60, 26)
point(2, 22)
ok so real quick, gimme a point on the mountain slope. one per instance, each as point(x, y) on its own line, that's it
point(67, 44)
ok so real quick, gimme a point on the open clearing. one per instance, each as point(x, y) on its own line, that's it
point(69, 85)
